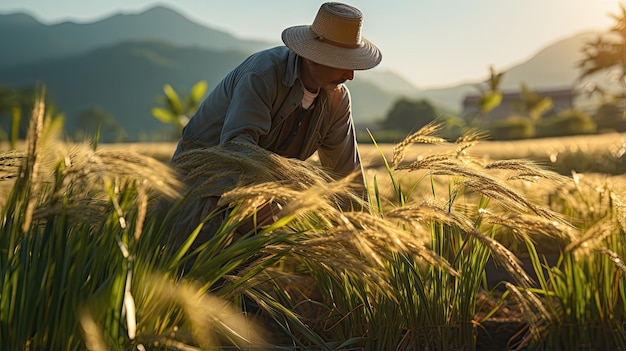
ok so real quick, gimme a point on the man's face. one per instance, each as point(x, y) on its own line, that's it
point(328, 78)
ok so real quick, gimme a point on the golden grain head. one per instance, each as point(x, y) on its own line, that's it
point(593, 237)
point(423, 136)
point(531, 225)
point(505, 258)
point(531, 307)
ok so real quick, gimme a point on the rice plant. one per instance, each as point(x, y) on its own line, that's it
point(458, 222)
point(585, 291)
point(95, 252)
point(327, 247)
point(72, 271)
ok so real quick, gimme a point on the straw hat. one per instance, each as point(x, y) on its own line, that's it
point(334, 39)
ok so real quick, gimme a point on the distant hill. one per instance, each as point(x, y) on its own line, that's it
point(123, 79)
point(554, 66)
point(387, 81)
point(370, 101)
point(122, 62)
point(25, 40)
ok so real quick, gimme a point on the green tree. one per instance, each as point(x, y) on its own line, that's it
point(13, 103)
point(408, 116)
point(512, 128)
point(491, 97)
point(176, 111)
point(610, 117)
point(567, 122)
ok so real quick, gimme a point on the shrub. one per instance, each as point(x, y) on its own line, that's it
point(512, 128)
point(568, 122)
point(610, 117)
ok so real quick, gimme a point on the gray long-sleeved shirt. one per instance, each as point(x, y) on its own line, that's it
point(252, 102)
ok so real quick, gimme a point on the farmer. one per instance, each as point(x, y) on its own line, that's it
point(291, 100)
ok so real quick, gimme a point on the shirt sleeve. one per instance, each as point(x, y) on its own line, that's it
point(247, 118)
point(249, 113)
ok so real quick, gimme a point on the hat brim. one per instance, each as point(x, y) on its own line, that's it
point(302, 40)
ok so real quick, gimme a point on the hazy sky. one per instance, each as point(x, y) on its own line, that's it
point(429, 42)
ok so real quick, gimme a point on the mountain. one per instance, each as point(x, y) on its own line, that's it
point(124, 79)
point(387, 81)
point(25, 40)
point(554, 66)
point(370, 101)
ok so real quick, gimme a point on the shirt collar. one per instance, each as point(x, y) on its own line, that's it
point(293, 69)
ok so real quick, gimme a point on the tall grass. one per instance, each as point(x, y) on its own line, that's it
point(585, 290)
point(92, 255)
point(434, 305)
point(74, 225)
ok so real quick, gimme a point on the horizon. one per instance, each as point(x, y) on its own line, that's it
point(499, 41)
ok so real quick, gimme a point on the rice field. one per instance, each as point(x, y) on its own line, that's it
point(93, 254)
point(583, 154)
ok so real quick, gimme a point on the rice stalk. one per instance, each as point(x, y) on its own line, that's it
point(506, 258)
point(480, 182)
point(424, 135)
point(383, 238)
point(80, 167)
point(29, 169)
point(508, 197)
point(429, 210)
point(592, 237)
point(254, 164)
point(10, 162)
point(94, 340)
point(588, 199)
point(370, 234)
point(532, 309)
point(621, 214)
point(255, 196)
point(533, 226)
point(525, 170)
point(427, 162)
point(467, 140)
point(615, 258)
point(142, 209)
point(222, 316)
